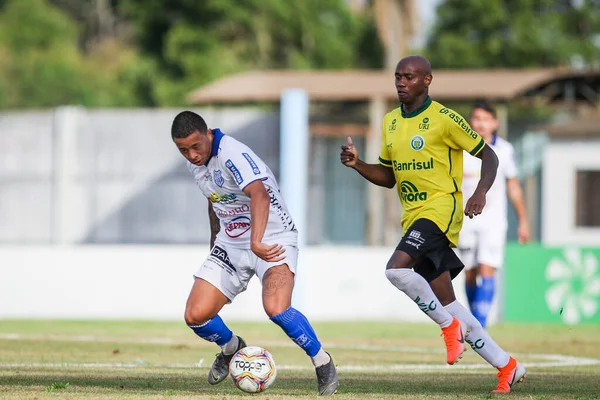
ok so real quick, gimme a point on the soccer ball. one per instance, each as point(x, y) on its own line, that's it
point(252, 369)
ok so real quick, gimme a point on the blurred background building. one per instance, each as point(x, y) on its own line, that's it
point(88, 89)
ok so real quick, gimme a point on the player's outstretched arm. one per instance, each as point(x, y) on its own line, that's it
point(260, 202)
point(215, 224)
point(374, 173)
point(515, 195)
point(489, 167)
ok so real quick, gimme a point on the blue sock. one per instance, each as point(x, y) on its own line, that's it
point(471, 291)
point(483, 299)
point(214, 330)
point(297, 327)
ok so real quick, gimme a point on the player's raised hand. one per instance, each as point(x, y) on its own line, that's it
point(349, 154)
point(268, 252)
point(475, 204)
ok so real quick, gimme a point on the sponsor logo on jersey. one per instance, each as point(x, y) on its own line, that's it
point(277, 206)
point(253, 165)
point(237, 227)
point(222, 258)
point(236, 172)
point(236, 211)
point(412, 165)
point(410, 193)
point(424, 125)
point(460, 122)
point(225, 199)
point(392, 127)
point(219, 180)
point(417, 143)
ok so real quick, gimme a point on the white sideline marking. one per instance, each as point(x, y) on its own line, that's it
point(549, 360)
point(559, 361)
point(98, 339)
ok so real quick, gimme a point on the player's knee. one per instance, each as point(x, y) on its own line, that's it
point(197, 315)
point(275, 307)
point(397, 262)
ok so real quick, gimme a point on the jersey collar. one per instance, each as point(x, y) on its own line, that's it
point(418, 110)
point(494, 137)
point(217, 136)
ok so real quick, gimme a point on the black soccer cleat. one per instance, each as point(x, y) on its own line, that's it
point(220, 368)
point(327, 378)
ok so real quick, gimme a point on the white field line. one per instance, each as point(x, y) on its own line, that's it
point(547, 360)
point(566, 362)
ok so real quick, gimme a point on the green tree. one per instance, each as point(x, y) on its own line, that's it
point(514, 33)
point(195, 42)
point(43, 65)
point(40, 57)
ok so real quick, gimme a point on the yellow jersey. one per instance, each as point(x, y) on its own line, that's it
point(425, 149)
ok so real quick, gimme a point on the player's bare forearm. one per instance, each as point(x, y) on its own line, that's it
point(215, 224)
point(515, 195)
point(376, 173)
point(489, 168)
point(259, 210)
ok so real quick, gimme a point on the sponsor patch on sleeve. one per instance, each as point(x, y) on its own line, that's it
point(253, 165)
point(236, 172)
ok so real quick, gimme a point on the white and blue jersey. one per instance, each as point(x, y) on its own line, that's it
point(231, 168)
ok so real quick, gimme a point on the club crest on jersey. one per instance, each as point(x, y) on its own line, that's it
point(417, 143)
point(219, 180)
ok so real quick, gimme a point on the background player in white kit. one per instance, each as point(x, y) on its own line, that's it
point(252, 232)
point(482, 240)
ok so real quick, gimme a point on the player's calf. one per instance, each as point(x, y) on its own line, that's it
point(297, 327)
point(214, 330)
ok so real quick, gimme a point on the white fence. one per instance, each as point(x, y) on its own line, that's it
point(152, 282)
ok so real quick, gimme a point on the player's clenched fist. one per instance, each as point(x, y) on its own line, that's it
point(349, 154)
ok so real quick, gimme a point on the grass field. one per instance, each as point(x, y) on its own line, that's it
point(144, 360)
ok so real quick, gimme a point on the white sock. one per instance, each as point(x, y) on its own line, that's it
point(417, 288)
point(321, 358)
point(478, 338)
point(231, 347)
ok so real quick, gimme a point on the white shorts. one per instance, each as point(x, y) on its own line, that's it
point(482, 245)
point(230, 269)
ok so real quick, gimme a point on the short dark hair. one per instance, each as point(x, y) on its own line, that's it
point(485, 106)
point(186, 123)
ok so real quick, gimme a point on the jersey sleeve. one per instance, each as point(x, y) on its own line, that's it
point(242, 164)
point(384, 154)
point(460, 135)
point(510, 167)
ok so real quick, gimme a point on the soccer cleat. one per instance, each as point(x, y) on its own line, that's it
point(327, 378)
point(220, 368)
point(510, 374)
point(454, 336)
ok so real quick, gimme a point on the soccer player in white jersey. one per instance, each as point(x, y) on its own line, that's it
point(482, 239)
point(252, 233)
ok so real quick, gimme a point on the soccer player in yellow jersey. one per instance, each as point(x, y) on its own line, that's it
point(422, 155)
